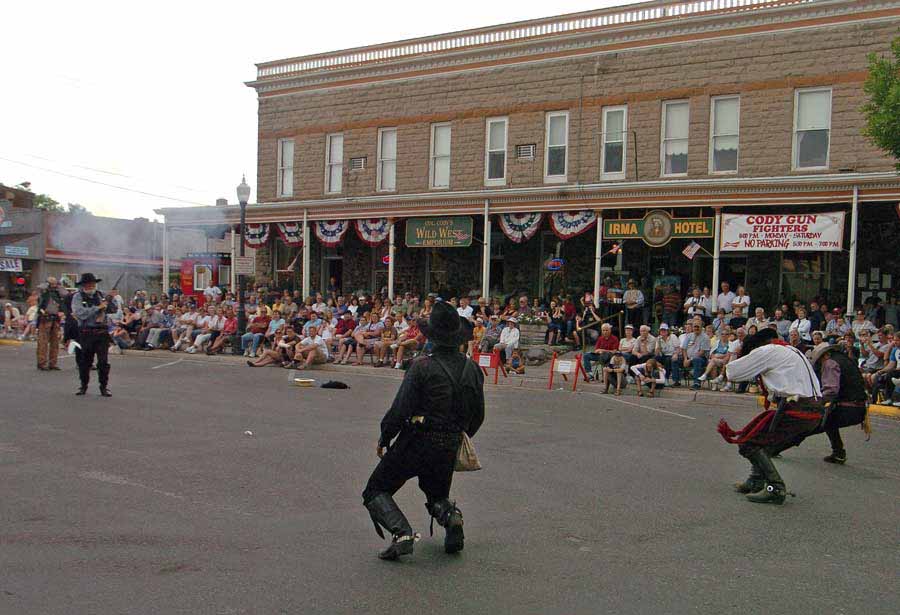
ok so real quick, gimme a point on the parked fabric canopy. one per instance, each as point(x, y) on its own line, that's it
point(520, 227)
point(291, 233)
point(373, 231)
point(569, 224)
point(331, 232)
point(256, 235)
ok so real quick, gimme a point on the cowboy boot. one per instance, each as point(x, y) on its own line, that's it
point(450, 518)
point(385, 513)
point(755, 482)
point(838, 457)
point(774, 491)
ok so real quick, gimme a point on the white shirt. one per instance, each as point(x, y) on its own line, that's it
point(315, 341)
point(724, 301)
point(785, 371)
point(734, 347)
point(802, 327)
point(744, 301)
point(641, 370)
point(202, 321)
point(697, 305)
point(320, 307)
point(465, 312)
point(510, 337)
point(212, 293)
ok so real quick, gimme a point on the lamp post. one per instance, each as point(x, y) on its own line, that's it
point(243, 194)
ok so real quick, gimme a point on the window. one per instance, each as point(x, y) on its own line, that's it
point(386, 180)
point(615, 138)
point(285, 167)
point(724, 128)
point(812, 128)
point(334, 163)
point(674, 151)
point(495, 152)
point(202, 276)
point(439, 168)
point(556, 149)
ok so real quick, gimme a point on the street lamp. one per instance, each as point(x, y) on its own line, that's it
point(243, 194)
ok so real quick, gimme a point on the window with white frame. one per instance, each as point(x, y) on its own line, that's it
point(724, 130)
point(439, 167)
point(285, 167)
point(615, 138)
point(675, 124)
point(495, 151)
point(386, 180)
point(334, 163)
point(556, 148)
point(812, 128)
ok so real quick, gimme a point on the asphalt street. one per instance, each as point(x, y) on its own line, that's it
point(156, 501)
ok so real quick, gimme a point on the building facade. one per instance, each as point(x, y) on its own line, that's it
point(600, 143)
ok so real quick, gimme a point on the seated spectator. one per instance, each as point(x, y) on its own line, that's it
point(626, 344)
point(873, 350)
point(477, 335)
point(229, 329)
point(384, 345)
point(817, 338)
point(556, 324)
point(343, 330)
point(516, 364)
point(695, 347)
point(758, 320)
point(509, 339)
point(606, 346)
point(882, 380)
point(465, 310)
point(644, 347)
point(491, 336)
point(802, 325)
point(650, 374)
point(153, 321)
point(368, 337)
point(409, 341)
point(795, 341)
point(282, 351)
point(720, 322)
point(586, 324)
point(861, 323)
point(184, 328)
point(275, 328)
point(210, 332)
point(782, 324)
point(836, 328)
point(718, 357)
point(315, 320)
point(256, 330)
point(737, 319)
point(523, 308)
point(569, 312)
point(312, 349)
point(666, 348)
point(616, 368)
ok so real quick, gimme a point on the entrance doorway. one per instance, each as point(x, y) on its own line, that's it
point(333, 267)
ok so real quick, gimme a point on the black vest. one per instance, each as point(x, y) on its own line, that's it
point(852, 386)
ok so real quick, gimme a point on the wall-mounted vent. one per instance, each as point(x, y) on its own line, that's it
point(525, 152)
point(358, 164)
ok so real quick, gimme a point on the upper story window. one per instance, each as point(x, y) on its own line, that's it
point(724, 130)
point(812, 128)
point(285, 175)
point(439, 167)
point(334, 163)
point(615, 140)
point(495, 151)
point(556, 149)
point(386, 180)
point(674, 150)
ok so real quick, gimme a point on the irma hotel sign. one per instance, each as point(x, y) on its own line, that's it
point(658, 228)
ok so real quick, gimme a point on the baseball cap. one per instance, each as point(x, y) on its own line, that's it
point(664, 326)
point(629, 326)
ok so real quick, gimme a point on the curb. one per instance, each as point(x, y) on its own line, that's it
point(7, 342)
point(880, 410)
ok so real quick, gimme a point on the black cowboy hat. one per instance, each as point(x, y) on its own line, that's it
point(444, 326)
point(760, 338)
point(87, 278)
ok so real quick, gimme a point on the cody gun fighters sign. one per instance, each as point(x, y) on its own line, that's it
point(806, 232)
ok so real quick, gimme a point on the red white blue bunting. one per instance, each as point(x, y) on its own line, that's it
point(331, 232)
point(520, 227)
point(256, 235)
point(291, 233)
point(569, 224)
point(373, 231)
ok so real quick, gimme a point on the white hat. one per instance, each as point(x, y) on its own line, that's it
point(816, 353)
point(512, 319)
point(664, 326)
point(629, 326)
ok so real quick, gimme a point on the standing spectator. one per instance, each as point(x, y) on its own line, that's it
point(634, 304)
point(49, 307)
point(742, 299)
point(815, 316)
point(607, 345)
point(874, 311)
point(696, 305)
point(726, 299)
point(509, 339)
point(695, 350)
point(585, 325)
point(671, 303)
point(892, 311)
point(802, 326)
point(569, 313)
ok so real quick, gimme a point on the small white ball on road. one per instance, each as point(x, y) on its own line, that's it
point(248, 433)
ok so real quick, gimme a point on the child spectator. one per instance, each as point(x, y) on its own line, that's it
point(650, 374)
point(615, 369)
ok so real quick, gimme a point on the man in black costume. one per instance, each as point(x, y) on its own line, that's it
point(91, 310)
point(441, 396)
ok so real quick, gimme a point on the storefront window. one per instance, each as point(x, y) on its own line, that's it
point(804, 275)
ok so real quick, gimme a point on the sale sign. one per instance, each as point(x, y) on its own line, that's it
point(806, 232)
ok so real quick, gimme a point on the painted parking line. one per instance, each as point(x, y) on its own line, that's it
point(167, 364)
point(631, 403)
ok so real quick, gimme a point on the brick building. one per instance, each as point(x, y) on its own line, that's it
point(541, 134)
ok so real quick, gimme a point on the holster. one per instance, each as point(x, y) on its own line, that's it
point(779, 412)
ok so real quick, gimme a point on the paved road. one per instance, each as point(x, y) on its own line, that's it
point(155, 501)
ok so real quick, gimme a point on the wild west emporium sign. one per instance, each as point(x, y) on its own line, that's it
point(807, 232)
point(658, 228)
point(453, 232)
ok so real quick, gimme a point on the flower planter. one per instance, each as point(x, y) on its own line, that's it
point(531, 335)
